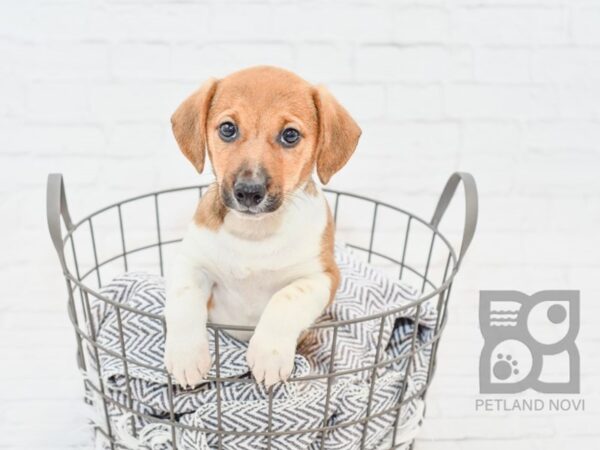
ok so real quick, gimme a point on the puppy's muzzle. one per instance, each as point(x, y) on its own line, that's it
point(250, 193)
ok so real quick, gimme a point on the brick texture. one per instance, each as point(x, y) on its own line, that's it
point(505, 89)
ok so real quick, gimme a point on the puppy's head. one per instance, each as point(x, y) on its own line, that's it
point(264, 130)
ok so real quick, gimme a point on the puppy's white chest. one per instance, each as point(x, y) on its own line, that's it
point(247, 272)
point(242, 271)
point(241, 301)
point(244, 285)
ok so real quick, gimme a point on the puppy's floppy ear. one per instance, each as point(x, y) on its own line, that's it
point(189, 123)
point(338, 134)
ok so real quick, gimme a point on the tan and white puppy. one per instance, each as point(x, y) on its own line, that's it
point(259, 251)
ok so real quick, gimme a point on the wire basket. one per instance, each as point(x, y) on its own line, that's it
point(139, 233)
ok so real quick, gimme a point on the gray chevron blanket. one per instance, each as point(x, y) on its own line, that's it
point(296, 406)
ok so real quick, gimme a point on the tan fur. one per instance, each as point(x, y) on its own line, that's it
point(327, 257)
point(311, 188)
point(189, 124)
point(262, 101)
point(338, 135)
point(210, 211)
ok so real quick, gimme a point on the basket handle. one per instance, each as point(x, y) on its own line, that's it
point(56, 207)
point(471, 207)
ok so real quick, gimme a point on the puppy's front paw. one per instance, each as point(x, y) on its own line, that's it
point(187, 357)
point(271, 358)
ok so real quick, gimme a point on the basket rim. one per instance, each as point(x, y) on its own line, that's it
point(443, 287)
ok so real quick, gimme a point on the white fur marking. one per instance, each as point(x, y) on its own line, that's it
point(261, 271)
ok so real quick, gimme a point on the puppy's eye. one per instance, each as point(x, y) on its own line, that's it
point(289, 137)
point(228, 131)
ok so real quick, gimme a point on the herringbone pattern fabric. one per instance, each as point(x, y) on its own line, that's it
point(296, 406)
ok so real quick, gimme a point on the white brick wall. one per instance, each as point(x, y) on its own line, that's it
point(506, 89)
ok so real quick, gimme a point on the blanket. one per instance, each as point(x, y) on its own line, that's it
point(299, 408)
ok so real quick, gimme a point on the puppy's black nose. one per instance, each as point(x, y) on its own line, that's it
point(249, 193)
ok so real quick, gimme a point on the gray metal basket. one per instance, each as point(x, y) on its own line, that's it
point(408, 246)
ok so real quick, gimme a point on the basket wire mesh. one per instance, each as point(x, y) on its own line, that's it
point(408, 247)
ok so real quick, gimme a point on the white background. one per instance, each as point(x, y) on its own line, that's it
point(506, 89)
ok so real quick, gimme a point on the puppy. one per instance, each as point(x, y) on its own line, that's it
point(259, 251)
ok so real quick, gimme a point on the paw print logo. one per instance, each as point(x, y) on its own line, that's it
point(505, 367)
point(526, 338)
